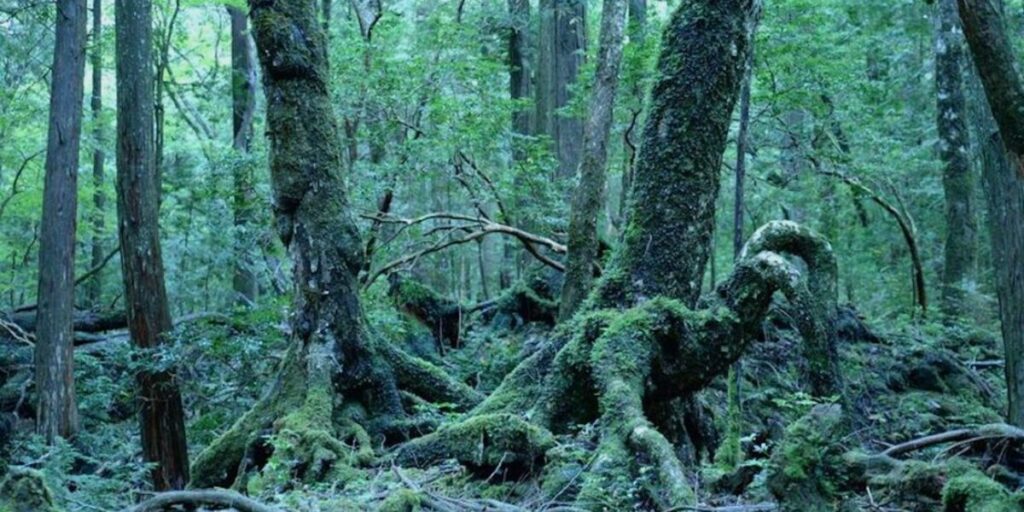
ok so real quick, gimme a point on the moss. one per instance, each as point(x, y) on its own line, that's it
point(402, 500)
point(807, 471)
point(25, 490)
point(975, 492)
point(483, 442)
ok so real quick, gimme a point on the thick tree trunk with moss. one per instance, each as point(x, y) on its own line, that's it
point(986, 34)
point(588, 198)
point(954, 150)
point(337, 380)
point(643, 340)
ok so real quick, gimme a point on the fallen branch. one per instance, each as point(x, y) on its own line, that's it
point(993, 431)
point(219, 497)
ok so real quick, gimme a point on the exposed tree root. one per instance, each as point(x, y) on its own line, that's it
point(611, 366)
point(218, 497)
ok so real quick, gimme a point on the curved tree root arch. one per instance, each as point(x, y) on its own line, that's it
point(615, 366)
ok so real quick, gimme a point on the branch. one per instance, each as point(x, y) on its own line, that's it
point(220, 497)
point(906, 228)
point(992, 431)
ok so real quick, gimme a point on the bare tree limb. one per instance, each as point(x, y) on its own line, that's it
point(219, 497)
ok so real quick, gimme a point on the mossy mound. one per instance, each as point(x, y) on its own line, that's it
point(25, 490)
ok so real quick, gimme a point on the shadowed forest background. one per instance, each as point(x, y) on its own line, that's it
point(511, 255)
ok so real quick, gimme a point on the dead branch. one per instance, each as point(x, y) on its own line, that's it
point(219, 497)
point(993, 431)
point(906, 228)
point(475, 228)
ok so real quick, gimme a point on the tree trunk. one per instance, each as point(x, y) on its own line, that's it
point(160, 409)
point(954, 150)
point(57, 412)
point(588, 197)
point(332, 352)
point(243, 95)
point(561, 51)
point(671, 210)
point(94, 289)
point(519, 69)
point(1005, 194)
point(997, 66)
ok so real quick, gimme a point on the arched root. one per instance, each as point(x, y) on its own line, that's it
point(484, 442)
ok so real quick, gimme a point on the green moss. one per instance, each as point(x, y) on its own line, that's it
point(484, 441)
point(25, 490)
point(807, 471)
point(402, 500)
point(975, 492)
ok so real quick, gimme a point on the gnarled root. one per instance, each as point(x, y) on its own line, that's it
point(609, 366)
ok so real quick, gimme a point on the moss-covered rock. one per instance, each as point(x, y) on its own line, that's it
point(25, 490)
point(807, 472)
point(975, 492)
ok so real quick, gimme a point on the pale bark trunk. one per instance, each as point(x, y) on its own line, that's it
point(589, 194)
point(94, 289)
point(954, 151)
point(243, 95)
point(561, 50)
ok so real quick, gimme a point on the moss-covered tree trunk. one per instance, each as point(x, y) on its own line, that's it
point(334, 364)
point(643, 340)
point(954, 150)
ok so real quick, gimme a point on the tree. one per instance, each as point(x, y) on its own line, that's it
point(54, 358)
point(642, 340)
point(161, 414)
point(333, 352)
point(588, 198)
point(99, 200)
point(243, 96)
point(561, 47)
point(954, 151)
point(997, 66)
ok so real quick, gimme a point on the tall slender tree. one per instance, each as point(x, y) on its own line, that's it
point(94, 288)
point(57, 412)
point(954, 150)
point(561, 48)
point(161, 414)
point(588, 198)
point(243, 95)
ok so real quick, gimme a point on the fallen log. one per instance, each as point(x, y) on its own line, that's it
point(219, 497)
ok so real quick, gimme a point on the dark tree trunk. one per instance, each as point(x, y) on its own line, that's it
point(993, 54)
point(587, 200)
point(57, 412)
point(519, 68)
point(954, 150)
point(94, 288)
point(561, 49)
point(243, 96)
point(160, 409)
point(1005, 194)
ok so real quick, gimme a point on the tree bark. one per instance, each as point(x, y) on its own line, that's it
point(519, 69)
point(997, 66)
point(587, 200)
point(1005, 195)
point(57, 413)
point(561, 50)
point(954, 151)
point(160, 408)
point(94, 289)
point(243, 96)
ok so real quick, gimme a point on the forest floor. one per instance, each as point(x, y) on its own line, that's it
point(906, 380)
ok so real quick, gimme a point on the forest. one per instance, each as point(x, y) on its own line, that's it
point(511, 255)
